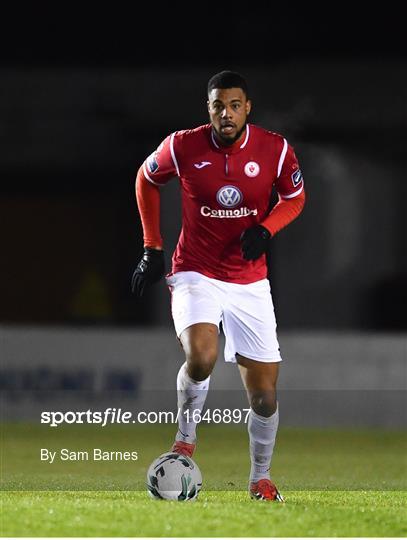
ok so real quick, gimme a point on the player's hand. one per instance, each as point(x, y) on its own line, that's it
point(149, 270)
point(254, 242)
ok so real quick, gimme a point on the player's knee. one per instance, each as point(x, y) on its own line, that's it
point(264, 403)
point(201, 361)
point(200, 371)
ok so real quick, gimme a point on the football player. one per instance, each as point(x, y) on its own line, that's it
point(227, 170)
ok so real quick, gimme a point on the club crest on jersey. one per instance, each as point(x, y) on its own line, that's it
point(252, 169)
point(296, 177)
point(229, 196)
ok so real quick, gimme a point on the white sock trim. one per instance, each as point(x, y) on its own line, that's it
point(183, 376)
point(265, 419)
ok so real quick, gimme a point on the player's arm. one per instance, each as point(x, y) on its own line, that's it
point(158, 168)
point(151, 267)
point(291, 194)
point(148, 202)
point(284, 212)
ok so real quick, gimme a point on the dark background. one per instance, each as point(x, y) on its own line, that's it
point(88, 92)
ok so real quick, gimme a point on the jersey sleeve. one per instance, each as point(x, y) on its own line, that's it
point(290, 182)
point(148, 202)
point(161, 165)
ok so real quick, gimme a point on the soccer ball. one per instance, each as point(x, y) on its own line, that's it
point(174, 477)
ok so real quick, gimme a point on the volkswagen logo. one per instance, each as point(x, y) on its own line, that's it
point(229, 196)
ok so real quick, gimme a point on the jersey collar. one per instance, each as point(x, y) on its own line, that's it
point(235, 147)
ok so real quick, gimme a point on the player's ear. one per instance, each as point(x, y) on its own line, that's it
point(208, 105)
point(248, 106)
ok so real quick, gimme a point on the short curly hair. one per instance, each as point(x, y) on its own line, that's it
point(228, 79)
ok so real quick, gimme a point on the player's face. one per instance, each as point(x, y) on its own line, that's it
point(228, 109)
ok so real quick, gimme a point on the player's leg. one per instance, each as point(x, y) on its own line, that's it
point(196, 311)
point(249, 325)
point(200, 344)
point(260, 381)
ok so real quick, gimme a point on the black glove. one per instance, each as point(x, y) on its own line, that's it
point(254, 242)
point(149, 270)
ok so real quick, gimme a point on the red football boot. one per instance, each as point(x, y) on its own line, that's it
point(265, 490)
point(184, 448)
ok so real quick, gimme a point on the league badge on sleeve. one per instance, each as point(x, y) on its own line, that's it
point(152, 160)
point(152, 163)
point(296, 177)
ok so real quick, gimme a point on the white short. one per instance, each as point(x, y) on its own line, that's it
point(246, 313)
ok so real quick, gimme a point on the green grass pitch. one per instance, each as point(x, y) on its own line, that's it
point(335, 482)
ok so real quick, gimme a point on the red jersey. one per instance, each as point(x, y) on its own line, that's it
point(225, 190)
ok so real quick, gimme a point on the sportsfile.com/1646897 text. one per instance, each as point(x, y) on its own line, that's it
point(111, 415)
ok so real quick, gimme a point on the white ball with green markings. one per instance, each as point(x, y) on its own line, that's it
point(174, 477)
